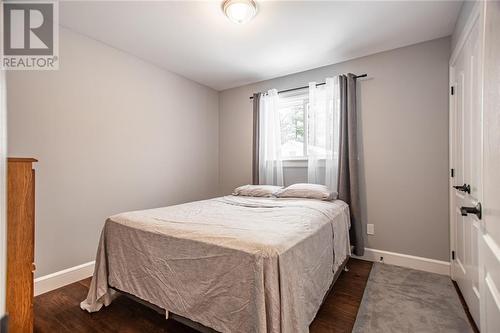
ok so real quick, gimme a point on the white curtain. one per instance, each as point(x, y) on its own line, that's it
point(270, 161)
point(323, 133)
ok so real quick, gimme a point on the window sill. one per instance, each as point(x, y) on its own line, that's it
point(301, 163)
point(295, 163)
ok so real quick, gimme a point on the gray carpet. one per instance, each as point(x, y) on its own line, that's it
point(398, 299)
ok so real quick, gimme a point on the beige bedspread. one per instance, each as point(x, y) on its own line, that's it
point(234, 264)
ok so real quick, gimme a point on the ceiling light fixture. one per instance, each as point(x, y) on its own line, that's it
point(239, 11)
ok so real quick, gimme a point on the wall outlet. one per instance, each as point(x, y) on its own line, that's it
point(370, 229)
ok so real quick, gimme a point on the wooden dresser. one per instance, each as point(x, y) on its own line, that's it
point(20, 243)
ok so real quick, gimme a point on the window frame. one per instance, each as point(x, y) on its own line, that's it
point(294, 161)
point(301, 161)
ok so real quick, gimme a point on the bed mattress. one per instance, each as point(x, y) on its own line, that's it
point(234, 264)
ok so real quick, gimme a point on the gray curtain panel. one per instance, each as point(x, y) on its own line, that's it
point(348, 186)
point(255, 151)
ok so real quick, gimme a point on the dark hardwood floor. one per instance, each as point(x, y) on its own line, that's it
point(475, 329)
point(339, 311)
point(59, 310)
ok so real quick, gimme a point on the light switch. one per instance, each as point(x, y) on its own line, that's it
point(370, 229)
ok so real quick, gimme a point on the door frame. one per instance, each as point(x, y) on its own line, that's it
point(451, 208)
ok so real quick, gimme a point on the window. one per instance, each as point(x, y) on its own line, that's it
point(304, 132)
point(293, 118)
point(300, 128)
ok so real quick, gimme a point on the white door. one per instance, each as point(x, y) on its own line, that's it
point(489, 242)
point(465, 150)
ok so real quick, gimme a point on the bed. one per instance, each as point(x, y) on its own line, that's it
point(232, 264)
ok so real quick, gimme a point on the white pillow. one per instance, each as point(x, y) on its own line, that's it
point(310, 191)
point(256, 190)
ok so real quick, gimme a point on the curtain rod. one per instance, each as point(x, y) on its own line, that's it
point(318, 84)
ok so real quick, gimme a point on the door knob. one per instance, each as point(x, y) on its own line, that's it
point(472, 210)
point(464, 188)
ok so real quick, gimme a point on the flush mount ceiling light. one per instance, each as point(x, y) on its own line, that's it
point(239, 11)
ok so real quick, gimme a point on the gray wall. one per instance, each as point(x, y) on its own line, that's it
point(403, 114)
point(112, 133)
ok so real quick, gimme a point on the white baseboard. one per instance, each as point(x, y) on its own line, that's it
point(62, 278)
point(405, 260)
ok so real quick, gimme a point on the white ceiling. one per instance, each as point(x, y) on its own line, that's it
point(196, 40)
